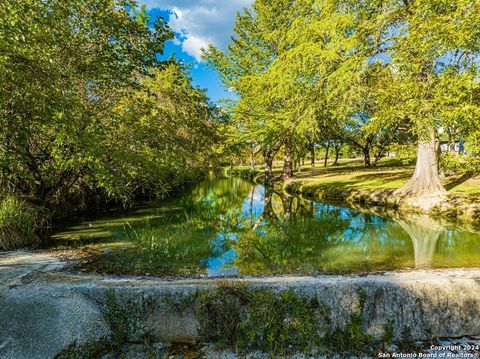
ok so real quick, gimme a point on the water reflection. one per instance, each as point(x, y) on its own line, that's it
point(230, 226)
point(424, 234)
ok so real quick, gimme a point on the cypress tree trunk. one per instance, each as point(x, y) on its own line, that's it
point(441, 170)
point(379, 155)
point(312, 157)
point(252, 160)
point(325, 161)
point(366, 155)
point(287, 165)
point(337, 155)
point(299, 166)
point(267, 166)
point(268, 157)
point(425, 179)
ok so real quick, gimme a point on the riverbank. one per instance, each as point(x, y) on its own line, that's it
point(47, 311)
point(352, 183)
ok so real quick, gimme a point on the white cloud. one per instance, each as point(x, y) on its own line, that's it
point(200, 22)
point(193, 45)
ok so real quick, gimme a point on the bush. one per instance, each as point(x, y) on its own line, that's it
point(406, 154)
point(453, 163)
point(18, 223)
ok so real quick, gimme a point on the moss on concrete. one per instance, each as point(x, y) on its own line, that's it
point(278, 322)
point(327, 314)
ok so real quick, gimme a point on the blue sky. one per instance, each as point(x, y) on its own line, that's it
point(196, 24)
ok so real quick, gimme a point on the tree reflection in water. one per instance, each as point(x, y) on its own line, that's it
point(231, 226)
point(424, 233)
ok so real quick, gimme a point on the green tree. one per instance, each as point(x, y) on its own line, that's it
point(63, 66)
point(377, 72)
point(433, 48)
point(87, 109)
point(160, 136)
point(258, 117)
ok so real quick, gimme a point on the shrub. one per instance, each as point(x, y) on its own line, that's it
point(406, 154)
point(453, 163)
point(277, 322)
point(18, 223)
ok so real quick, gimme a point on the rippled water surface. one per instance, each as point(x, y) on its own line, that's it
point(230, 226)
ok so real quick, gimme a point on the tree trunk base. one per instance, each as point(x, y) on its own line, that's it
point(425, 202)
point(287, 172)
point(425, 189)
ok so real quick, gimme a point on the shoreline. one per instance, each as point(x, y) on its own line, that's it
point(456, 207)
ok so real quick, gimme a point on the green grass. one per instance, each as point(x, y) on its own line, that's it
point(468, 185)
point(389, 174)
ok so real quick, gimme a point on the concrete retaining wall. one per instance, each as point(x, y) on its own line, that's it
point(43, 310)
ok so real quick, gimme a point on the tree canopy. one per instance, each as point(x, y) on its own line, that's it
point(366, 73)
point(89, 110)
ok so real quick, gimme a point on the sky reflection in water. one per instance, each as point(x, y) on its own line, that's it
point(229, 226)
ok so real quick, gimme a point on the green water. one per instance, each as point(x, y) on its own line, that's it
point(229, 226)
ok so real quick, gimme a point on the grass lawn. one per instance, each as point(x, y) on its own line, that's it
point(389, 174)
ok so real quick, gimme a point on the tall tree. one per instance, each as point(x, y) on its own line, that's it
point(429, 44)
point(63, 64)
point(245, 68)
point(160, 137)
point(307, 69)
point(87, 107)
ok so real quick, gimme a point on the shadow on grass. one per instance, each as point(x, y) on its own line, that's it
point(359, 181)
point(383, 177)
point(458, 181)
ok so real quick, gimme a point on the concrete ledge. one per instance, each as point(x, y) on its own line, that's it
point(44, 309)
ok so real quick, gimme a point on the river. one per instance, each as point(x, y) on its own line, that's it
point(230, 226)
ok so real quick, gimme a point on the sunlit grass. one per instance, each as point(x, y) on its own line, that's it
point(470, 187)
point(352, 174)
point(388, 174)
